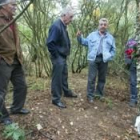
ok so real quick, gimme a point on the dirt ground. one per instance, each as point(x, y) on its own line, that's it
point(111, 119)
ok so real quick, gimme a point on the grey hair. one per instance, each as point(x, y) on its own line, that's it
point(3, 2)
point(67, 10)
point(104, 19)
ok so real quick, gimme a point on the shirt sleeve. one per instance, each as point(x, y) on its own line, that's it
point(82, 41)
point(113, 49)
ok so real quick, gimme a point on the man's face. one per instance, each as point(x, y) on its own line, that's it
point(103, 26)
point(10, 8)
point(68, 18)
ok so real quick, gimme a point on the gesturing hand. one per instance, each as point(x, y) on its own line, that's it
point(78, 33)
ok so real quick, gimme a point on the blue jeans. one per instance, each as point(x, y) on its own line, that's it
point(133, 83)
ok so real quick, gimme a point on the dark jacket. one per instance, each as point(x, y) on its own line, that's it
point(9, 41)
point(58, 41)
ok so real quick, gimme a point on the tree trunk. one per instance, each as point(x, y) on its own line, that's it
point(138, 50)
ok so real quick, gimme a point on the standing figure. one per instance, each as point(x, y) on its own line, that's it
point(101, 49)
point(130, 61)
point(58, 43)
point(11, 68)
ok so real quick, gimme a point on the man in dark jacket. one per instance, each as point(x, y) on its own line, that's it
point(58, 43)
point(10, 63)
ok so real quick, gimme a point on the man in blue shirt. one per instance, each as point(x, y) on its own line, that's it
point(101, 49)
point(58, 43)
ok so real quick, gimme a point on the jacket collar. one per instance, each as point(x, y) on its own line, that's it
point(106, 33)
point(65, 26)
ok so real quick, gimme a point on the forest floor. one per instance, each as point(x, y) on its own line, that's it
point(111, 119)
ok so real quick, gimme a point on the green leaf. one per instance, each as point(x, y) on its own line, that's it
point(8, 135)
point(13, 132)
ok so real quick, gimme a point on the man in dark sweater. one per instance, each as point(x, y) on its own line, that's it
point(58, 43)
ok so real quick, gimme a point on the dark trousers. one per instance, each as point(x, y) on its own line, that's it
point(59, 78)
point(133, 83)
point(98, 66)
point(14, 73)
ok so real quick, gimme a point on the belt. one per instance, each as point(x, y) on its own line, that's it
point(99, 55)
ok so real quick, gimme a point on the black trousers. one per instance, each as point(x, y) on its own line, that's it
point(59, 79)
point(100, 68)
point(15, 74)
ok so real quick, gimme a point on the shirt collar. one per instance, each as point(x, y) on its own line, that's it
point(105, 33)
point(65, 26)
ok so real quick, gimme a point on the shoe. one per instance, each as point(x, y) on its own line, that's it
point(22, 111)
point(90, 100)
point(7, 121)
point(59, 104)
point(132, 104)
point(70, 95)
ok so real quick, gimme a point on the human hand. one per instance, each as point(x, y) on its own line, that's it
point(78, 33)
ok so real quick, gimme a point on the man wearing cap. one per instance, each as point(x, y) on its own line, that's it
point(11, 68)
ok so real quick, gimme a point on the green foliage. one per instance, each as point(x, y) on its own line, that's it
point(121, 16)
point(38, 18)
point(34, 28)
point(106, 100)
point(37, 86)
point(109, 102)
point(25, 32)
point(13, 132)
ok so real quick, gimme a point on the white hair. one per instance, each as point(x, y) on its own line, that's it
point(67, 10)
point(103, 19)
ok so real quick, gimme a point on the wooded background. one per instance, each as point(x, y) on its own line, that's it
point(35, 23)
